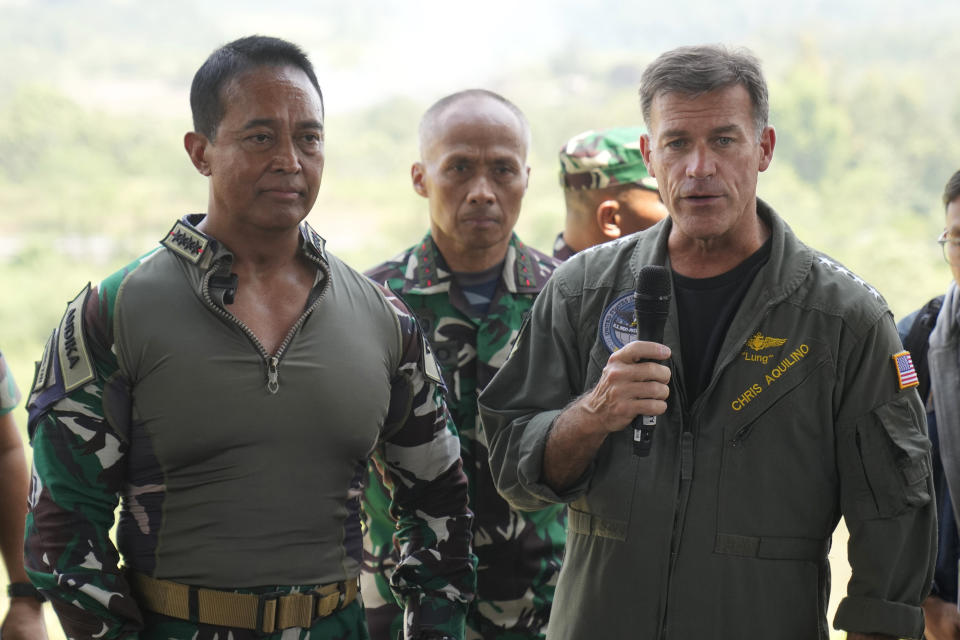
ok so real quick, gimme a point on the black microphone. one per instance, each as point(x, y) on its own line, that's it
point(652, 304)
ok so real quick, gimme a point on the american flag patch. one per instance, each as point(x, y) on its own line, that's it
point(906, 374)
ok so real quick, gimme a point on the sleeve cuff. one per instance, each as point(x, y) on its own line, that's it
point(434, 613)
point(531, 462)
point(871, 615)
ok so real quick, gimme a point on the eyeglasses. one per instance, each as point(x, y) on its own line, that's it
point(951, 248)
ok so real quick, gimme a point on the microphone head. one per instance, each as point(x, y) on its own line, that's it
point(652, 302)
point(654, 282)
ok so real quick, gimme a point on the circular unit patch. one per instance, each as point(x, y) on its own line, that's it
point(617, 324)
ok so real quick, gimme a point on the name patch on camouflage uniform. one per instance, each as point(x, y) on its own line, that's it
point(76, 369)
point(186, 242)
point(42, 378)
point(617, 324)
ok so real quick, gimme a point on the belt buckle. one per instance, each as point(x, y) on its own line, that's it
point(262, 600)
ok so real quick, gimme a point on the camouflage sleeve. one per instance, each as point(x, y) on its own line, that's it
point(78, 461)
point(436, 576)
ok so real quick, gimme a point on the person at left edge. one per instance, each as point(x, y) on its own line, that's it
point(471, 281)
point(23, 619)
point(228, 388)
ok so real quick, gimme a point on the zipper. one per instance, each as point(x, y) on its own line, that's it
point(272, 361)
point(742, 434)
point(686, 475)
point(740, 437)
point(273, 384)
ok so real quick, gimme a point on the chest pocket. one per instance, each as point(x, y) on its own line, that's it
point(777, 485)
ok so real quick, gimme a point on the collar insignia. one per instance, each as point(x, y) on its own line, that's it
point(186, 242)
point(319, 244)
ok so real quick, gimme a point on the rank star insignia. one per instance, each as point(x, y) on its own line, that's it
point(759, 342)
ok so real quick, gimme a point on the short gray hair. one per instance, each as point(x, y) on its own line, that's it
point(429, 119)
point(700, 69)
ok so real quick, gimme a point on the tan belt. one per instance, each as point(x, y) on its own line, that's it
point(264, 612)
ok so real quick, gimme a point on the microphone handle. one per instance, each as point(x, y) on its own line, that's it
point(649, 327)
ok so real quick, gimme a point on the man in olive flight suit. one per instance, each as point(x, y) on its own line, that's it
point(782, 395)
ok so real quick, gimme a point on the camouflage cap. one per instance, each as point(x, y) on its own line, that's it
point(599, 159)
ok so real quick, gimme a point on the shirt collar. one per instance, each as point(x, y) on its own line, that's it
point(194, 246)
point(427, 272)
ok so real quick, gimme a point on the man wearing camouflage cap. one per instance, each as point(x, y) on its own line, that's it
point(607, 189)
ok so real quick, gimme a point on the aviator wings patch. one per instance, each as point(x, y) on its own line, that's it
point(759, 342)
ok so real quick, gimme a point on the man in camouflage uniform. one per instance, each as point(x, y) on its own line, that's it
point(229, 388)
point(607, 189)
point(470, 281)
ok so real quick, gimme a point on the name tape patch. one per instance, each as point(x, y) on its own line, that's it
point(42, 379)
point(76, 369)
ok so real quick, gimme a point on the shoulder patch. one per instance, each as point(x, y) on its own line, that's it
point(76, 368)
point(186, 242)
point(430, 367)
point(617, 324)
point(906, 374)
point(42, 378)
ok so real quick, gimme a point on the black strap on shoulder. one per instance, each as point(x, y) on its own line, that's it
point(918, 339)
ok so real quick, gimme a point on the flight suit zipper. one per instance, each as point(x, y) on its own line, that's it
point(683, 494)
point(272, 361)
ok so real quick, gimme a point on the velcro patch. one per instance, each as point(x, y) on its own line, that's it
point(906, 374)
point(186, 242)
point(76, 368)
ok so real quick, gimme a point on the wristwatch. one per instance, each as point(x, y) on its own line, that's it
point(24, 590)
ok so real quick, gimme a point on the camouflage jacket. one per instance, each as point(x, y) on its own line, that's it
point(519, 552)
point(237, 469)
